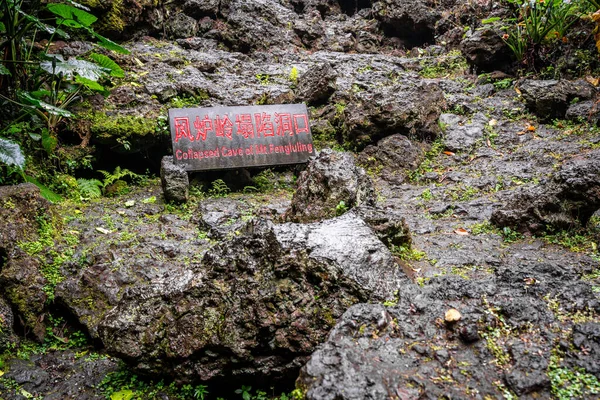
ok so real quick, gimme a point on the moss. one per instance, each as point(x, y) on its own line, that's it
point(122, 126)
point(111, 20)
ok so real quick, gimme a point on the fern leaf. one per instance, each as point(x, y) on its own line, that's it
point(89, 188)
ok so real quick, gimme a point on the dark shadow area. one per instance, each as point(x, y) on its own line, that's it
point(411, 35)
point(351, 7)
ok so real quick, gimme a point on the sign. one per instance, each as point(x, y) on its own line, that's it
point(234, 137)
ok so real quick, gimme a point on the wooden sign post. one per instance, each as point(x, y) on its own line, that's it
point(237, 137)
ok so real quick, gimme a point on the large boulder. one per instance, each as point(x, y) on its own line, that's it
point(412, 22)
point(257, 306)
point(21, 281)
point(410, 107)
point(550, 99)
point(461, 133)
point(175, 180)
point(567, 200)
point(454, 337)
point(485, 49)
point(330, 179)
point(393, 157)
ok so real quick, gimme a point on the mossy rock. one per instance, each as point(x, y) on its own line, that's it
point(126, 133)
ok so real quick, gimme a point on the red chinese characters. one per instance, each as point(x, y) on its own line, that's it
point(264, 126)
point(260, 124)
point(244, 125)
point(223, 127)
point(284, 124)
point(203, 127)
point(303, 127)
point(182, 129)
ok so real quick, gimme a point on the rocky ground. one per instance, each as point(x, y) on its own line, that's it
point(453, 253)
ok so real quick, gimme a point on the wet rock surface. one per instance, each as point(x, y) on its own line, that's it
point(331, 181)
point(59, 375)
point(258, 304)
point(217, 289)
point(175, 181)
point(567, 200)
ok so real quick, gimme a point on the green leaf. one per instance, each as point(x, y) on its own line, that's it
point(26, 97)
point(49, 142)
point(90, 84)
point(10, 153)
point(2, 27)
point(44, 191)
point(122, 395)
point(73, 66)
point(72, 13)
point(49, 29)
point(38, 94)
point(109, 44)
point(490, 20)
point(109, 64)
point(4, 70)
point(71, 23)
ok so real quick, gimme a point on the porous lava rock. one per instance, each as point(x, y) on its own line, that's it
point(550, 99)
point(412, 22)
point(21, 281)
point(485, 49)
point(393, 157)
point(317, 84)
point(58, 375)
point(405, 349)
point(6, 325)
point(461, 133)
point(329, 179)
point(566, 201)
point(410, 107)
point(175, 180)
point(257, 306)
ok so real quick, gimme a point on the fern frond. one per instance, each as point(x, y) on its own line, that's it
point(90, 188)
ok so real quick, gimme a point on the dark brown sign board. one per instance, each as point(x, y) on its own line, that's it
point(244, 136)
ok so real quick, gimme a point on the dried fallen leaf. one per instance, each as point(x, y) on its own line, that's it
point(529, 281)
point(592, 80)
point(448, 153)
point(517, 90)
point(461, 231)
point(103, 230)
point(452, 315)
point(493, 122)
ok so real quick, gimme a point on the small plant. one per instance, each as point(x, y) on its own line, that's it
point(265, 180)
point(570, 383)
point(538, 22)
point(510, 236)
point(89, 188)
point(341, 208)
point(263, 78)
point(219, 188)
point(294, 75)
